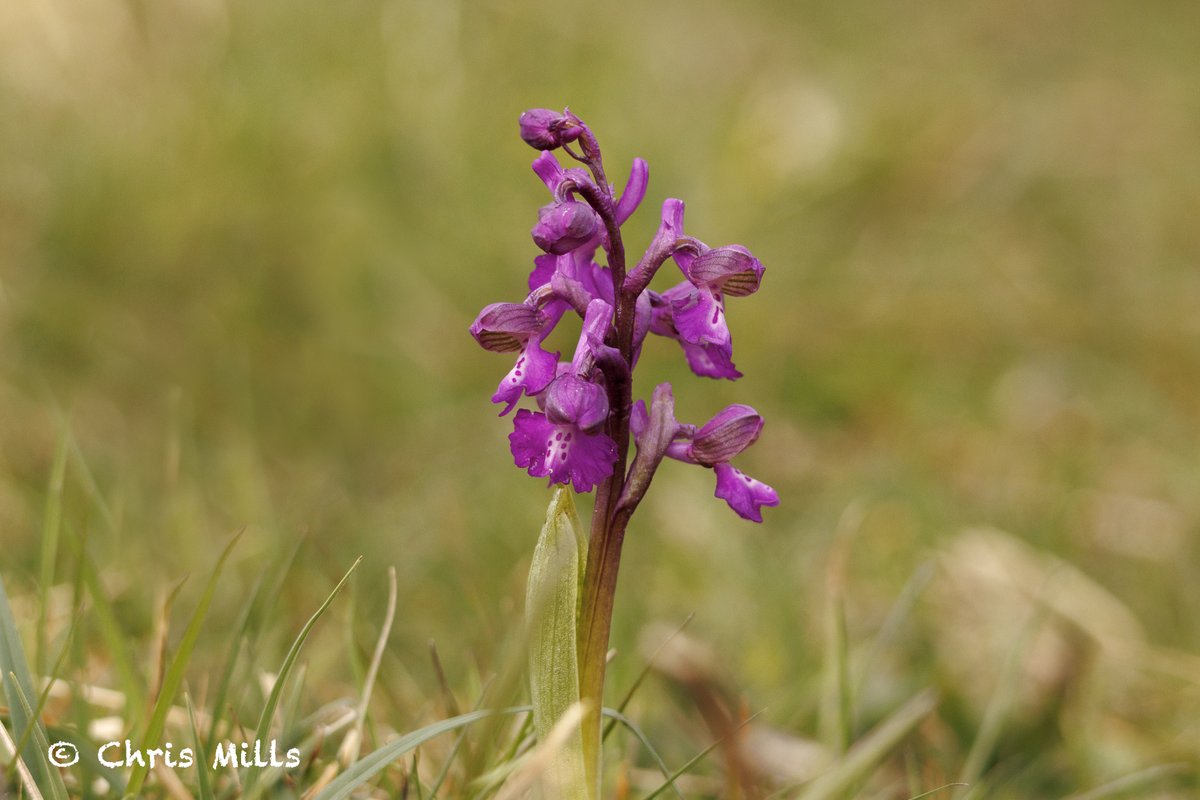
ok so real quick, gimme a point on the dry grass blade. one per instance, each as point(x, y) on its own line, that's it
point(351, 745)
point(861, 758)
point(536, 767)
point(10, 750)
point(1135, 781)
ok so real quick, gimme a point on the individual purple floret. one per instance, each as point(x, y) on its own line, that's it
point(506, 327)
point(566, 443)
point(714, 445)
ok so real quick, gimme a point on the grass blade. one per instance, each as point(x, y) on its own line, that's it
point(616, 716)
point(174, 674)
point(368, 766)
point(51, 523)
point(637, 683)
point(696, 759)
point(116, 641)
point(203, 782)
point(1000, 704)
point(1133, 781)
point(10, 751)
point(932, 792)
point(17, 682)
point(245, 637)
point(54, 783)
point(861, 758)
point(250, 787)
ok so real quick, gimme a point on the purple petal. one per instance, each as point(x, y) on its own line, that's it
point(596, 324)
point(596, 278)
point(699, 317)
point(635, 191)
point(506, 327)
point(711, 360)
point(707, 360)
point(571, 400)
point(639, 418)
point(643, 317)
point(671, 223)
point(534, 370)
point(584, 459)
point(544, 267)
point(731, 270)
point(561, 452)
point(549, 170)
point(670, 229)
point(528, 441)
point(562, 227)
point(744, 494)
point(731, 431)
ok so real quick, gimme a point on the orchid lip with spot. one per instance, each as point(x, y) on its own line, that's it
point(579, 433)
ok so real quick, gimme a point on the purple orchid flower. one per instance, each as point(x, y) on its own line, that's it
point(713, 445)
point(566, 443)
point(706, 360)
point(509, 327)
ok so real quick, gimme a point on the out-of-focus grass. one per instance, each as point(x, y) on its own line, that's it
point(242, 242)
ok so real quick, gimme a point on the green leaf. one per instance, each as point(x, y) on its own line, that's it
point(552, 599)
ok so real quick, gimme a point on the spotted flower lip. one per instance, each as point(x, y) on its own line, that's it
point(708, 359)
point(745, 495)
point(565, 226)
point(564, 453)
point(535, 366)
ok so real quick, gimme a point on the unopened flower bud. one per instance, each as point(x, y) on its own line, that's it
point(543, 129)
point(562, 227)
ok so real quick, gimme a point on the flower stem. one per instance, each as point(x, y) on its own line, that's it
point(608, 527)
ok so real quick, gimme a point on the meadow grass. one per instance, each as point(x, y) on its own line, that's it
point(242, 242)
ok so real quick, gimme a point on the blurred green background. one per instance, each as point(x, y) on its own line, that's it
point(241, 243)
